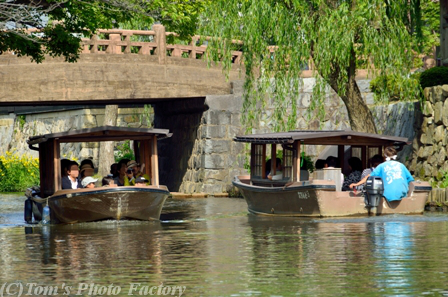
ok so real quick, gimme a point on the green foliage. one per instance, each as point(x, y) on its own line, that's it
point(146, 115)
point(393, 88)
point(64, 22)
point(124, 151)
point(306, 163)
point(180, 17)
point(430, 27)
point(434, 77)
point(334, 34)
point(22, 120)
point(17, 173)
point(444, 180)
point(61, 25)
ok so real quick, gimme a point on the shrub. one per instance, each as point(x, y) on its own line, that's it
point(394, 87)
point(17, 173)
point(435, 76)
point(306, 163)
point(444, 180)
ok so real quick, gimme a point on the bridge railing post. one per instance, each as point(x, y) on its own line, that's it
point(193, 45)
point(161, 43)
point(114, 47)
point(94, 44)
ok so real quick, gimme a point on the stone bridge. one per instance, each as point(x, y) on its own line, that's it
point(121, 67)
point(116, 68)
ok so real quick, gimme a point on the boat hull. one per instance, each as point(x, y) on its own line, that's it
point(86, 205)
point(319, 198)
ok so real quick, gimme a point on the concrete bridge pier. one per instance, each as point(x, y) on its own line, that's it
point(201, 156)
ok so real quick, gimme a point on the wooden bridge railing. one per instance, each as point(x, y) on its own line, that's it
point(118, 41)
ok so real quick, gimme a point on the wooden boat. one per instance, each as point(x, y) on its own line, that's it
point(321, 195)
point(101, 203)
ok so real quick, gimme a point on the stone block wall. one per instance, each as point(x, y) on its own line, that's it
point(216, 158)
point(428, 159)
point(16, 130)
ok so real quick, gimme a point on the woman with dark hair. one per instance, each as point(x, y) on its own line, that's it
point(355, 165)
point(122, 179)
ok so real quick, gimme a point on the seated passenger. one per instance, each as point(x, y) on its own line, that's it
point(122, 179)
point(141, 181)
point(88, 162)
point(375, 161)
point(355, 166)
point(64, 166)
point(130, 176)
point(137, 171)
point(71, 181)
point(320, 163)
point(108, 181)
point(89, 182)
point(333, 162)
point(114, 170)
point(86, 170)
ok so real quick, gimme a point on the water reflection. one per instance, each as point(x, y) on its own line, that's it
point(215, 248)
point(394, 249)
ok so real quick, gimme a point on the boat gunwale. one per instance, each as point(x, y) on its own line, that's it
point(239, 183)
point(77, 192)
point(292, 187)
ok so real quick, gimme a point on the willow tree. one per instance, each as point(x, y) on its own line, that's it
point(279, 38)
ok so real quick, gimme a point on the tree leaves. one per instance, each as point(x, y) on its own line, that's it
point(334, 34)
point(63, 22)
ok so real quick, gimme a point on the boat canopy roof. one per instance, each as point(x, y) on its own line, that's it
point(322, 137)
point(104, 133)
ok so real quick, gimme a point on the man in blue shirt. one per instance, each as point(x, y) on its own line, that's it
point(396, 177)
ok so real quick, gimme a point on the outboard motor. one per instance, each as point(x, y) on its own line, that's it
point(373, 191)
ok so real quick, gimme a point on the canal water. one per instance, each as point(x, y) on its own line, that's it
point(213, 247)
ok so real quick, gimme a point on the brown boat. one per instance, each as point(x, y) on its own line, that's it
point(101, 203)
point(320, 195)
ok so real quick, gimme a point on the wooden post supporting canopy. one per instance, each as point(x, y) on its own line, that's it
point(145, 156)
point(296, 165)
point(154, 163)
point(48, 176)
point(273, 159)
point(57, 165)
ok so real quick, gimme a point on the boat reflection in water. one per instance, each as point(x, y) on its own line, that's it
point(71, 249)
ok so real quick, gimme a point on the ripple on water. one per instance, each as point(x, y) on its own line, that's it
point(215, 248)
